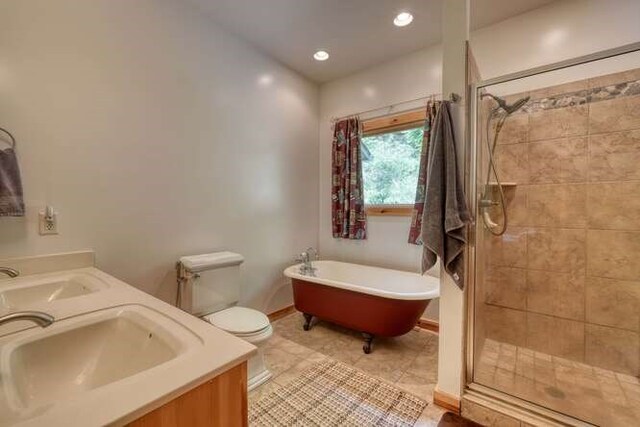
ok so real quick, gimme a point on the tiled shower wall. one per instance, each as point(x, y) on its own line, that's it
point(565, 277)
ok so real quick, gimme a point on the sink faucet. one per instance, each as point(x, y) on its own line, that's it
point(37, 317)
point(305, 258)
point(11, 272)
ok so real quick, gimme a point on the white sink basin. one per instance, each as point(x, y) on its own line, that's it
point(47, 290)
point(87, 352)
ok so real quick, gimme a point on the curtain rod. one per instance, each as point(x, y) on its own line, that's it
point(453, 97)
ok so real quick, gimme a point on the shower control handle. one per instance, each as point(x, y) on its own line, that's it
point(487, 203)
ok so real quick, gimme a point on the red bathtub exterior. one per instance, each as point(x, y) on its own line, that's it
point(383, 317)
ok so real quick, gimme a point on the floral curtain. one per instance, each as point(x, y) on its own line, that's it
point(349, 219)
point(418, 207)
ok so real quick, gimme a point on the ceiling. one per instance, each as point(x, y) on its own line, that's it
point(356, 33)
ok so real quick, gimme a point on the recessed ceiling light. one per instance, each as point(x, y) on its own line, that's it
point(403, 19)
point(321, 55)
point(265, 80)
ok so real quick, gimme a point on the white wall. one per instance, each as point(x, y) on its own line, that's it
point(455, 35)
point(555, 33)
point(406, 78)
point(155, 134)
point(558, 31)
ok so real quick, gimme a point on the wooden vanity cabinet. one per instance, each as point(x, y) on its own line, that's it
point(219, 402)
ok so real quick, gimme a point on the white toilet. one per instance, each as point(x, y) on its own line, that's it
point(210, 288)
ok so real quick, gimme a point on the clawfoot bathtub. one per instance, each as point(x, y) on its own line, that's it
point(375, 301)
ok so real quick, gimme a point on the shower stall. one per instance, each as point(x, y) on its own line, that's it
point(554, 312)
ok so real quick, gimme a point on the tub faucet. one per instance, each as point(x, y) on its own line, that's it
point(305, 258)
point(39, 318)
point(11, 272)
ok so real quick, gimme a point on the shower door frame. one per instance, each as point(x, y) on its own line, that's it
point(473, 389)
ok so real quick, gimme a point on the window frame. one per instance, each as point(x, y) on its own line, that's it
point(387, 124)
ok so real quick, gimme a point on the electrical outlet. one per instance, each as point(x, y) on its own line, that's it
point(48, 223)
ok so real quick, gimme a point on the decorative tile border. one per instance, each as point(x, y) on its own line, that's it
point(583, 97)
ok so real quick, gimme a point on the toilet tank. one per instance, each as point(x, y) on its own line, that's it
point(215, 281)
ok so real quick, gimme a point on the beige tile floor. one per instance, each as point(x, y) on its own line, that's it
point(592, 394)
point(410, 361)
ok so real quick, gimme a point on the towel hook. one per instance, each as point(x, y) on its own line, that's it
point(13, 140)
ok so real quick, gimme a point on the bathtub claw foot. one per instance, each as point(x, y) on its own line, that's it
point(307, 321)
point(368, 341)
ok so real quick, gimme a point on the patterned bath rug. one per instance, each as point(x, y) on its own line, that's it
point(331, 393)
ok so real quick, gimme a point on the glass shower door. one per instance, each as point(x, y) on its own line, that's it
point(557, 283)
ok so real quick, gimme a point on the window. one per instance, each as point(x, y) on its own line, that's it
point(390, 163)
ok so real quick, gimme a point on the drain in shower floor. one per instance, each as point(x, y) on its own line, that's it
point(555, 392)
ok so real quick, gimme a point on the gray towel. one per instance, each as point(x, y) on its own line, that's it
point(11, 202)
point(445, 208)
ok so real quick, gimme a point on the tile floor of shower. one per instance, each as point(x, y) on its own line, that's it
point(410, 362)
point(599, 395)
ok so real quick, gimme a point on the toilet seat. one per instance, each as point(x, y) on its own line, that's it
point(240, 321)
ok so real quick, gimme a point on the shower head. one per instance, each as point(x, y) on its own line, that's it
point(517, 105)
point(509, 109)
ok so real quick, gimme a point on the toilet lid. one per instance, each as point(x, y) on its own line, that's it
point(239, 320)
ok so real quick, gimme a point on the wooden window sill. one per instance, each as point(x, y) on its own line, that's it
point(394, 123)
point(390, 210)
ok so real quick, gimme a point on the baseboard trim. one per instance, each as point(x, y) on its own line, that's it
point(279, 314)
point(446, 401)
point(429, 325)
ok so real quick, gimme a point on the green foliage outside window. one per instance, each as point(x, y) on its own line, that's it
point(390, 167)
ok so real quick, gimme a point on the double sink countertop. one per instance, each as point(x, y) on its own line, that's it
point(113, 354)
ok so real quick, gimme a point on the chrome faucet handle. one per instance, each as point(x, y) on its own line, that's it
point(315, 252)
point(11, 272)
point(487, 203)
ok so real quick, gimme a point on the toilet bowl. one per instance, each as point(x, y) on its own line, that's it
point(252, 326)
point(209, 287)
